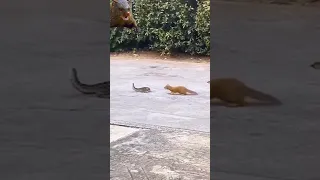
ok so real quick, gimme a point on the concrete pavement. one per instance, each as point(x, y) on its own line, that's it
point(159, 154)
point(158, 108)
point(270, 48)
point(173, 141)
point(49, 131)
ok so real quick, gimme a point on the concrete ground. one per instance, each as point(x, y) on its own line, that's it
point(158, 108)
point(48, 131)
point(270, 48)
point(164, 148)
point(159, 154)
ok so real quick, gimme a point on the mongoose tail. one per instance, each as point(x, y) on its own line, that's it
point(258, 95)
point(77, 84)
point(191, 92)
point(134, 88)
point(100, 89)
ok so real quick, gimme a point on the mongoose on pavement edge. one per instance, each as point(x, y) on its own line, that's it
point(101, 90)
point(142, 89)
point(120, 16)
point(179, 90)
point(234, 92)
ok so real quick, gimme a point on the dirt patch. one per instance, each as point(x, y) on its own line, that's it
point(147, 55)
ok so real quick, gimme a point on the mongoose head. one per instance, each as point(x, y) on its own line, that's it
point(123, 9)
point(147, 89)
point(315, 65)
point(167, 86)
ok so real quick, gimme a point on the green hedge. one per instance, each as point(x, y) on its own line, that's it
point(166, 26)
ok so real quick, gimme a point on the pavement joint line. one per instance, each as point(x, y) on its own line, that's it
point(128, 126)
point(157, 127)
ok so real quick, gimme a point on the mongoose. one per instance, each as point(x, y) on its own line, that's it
point(179, 90)
point(101, 90)
point(142, 89)
point(120, 16)
point(315, 65)
point(234, 92)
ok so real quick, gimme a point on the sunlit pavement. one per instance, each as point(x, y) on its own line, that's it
point(158, 108)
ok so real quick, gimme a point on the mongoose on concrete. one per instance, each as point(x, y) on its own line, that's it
point(234, 92)
point(142, 89)
point(179, 90)
point(101, 90)
point(315, 65)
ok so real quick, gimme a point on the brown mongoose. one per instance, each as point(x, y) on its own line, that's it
point(142, 89)
point(120, 16)
point(101, 90)
point(179, 90)
point(234, 92)
point(315, 65)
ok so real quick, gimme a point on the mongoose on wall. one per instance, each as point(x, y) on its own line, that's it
point(142, 89)
point(234, 92)
point(179, 90)
point(120, 16)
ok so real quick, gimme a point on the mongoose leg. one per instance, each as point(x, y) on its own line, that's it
point(241, 103)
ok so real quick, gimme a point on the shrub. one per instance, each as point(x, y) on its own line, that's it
point(203, 27)
point(166, 26)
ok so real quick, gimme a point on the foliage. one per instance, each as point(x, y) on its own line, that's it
point(166, 26)
point(203, 27)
